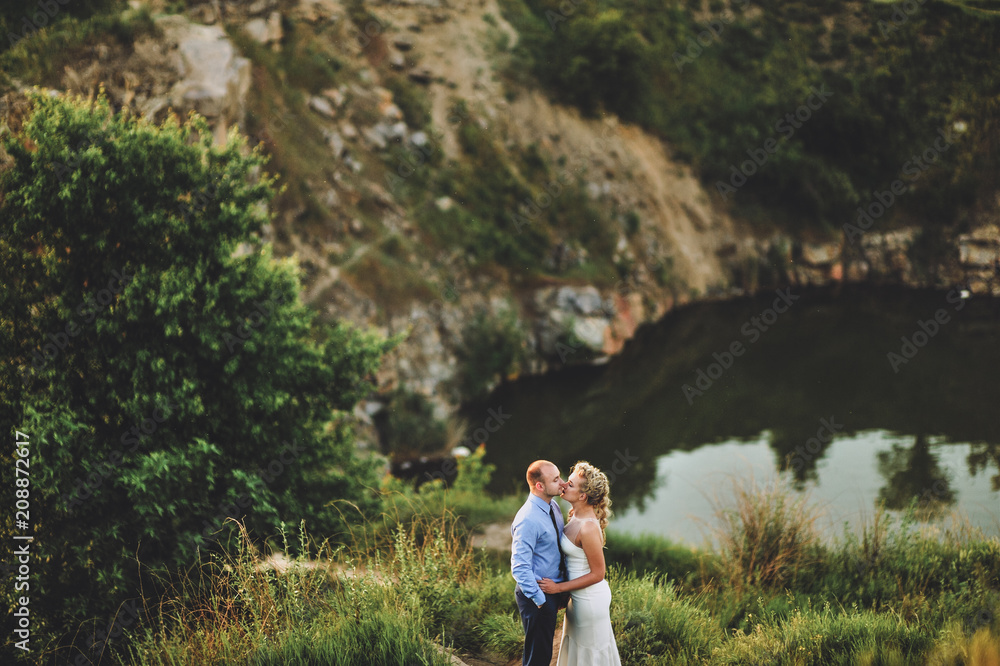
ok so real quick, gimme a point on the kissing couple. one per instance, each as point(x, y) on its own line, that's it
point(560, 565)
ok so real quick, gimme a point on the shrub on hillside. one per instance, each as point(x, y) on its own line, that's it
point(164, 379)
point(492, 348)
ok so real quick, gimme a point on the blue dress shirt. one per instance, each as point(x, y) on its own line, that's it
point(535, 552)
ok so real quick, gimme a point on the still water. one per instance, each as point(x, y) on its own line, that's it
point(810, 395)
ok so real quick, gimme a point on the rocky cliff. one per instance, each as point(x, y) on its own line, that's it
point(359, 102)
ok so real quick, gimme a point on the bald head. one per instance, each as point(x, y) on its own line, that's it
point(547, 474)
point(536, 471)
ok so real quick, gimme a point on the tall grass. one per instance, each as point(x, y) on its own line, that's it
point(646, 553)
point(414, 585)
point(768, 538)
point(323, 609)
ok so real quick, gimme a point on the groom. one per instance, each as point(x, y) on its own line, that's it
point(536, 554)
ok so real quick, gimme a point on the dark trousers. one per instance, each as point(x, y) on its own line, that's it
point(539, 628)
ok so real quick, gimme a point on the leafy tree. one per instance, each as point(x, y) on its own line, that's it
point(158, 357)
point(408, 427)
point(492, 348)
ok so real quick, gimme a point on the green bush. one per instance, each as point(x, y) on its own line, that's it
point(827, 637)
point(40, 57)
point(503, 634)
point(768, 538)
point(492, 348)
point(650, 620)
point(407, 426)
point(193, 387)
point(411, 100)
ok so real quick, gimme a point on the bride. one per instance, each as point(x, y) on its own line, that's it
point(587, 638)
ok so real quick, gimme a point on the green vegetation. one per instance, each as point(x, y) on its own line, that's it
point(407, 426)
point(165, 379)
point(715, 84)
point(492, 349)
point(391, 282)
point(463, 500)
point(415, 578)
point(39, 56)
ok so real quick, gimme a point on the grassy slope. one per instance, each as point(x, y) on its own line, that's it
point(887, 595)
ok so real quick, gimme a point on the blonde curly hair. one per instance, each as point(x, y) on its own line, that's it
point(597, 488)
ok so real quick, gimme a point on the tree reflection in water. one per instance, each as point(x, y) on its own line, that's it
point(981, 456)
point(914, 474)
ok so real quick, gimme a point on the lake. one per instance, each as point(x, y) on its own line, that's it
point(852, 395)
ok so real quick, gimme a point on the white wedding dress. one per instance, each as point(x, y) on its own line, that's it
point(587, 638)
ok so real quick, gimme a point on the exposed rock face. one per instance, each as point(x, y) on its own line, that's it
point(569, 318)
point(217, 92)
point(674, 244)
point(265, 31)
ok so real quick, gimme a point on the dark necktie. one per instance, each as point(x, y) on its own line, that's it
point(562, 557)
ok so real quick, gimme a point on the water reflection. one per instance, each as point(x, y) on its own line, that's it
point(823, 360)
point(847, 484)
point(914, 474)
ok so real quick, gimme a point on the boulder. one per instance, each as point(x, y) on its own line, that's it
point(335, 96)
point(397, 60)
point(321, 106)
point(349, 131)
point(265, 31)
point(580, 300)
point(375, 137)
point(260, 6)
point(977, 254)
point(214, 79)
point(592, 332)
point(334, 140)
